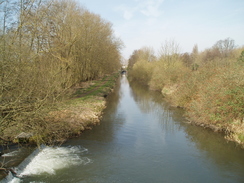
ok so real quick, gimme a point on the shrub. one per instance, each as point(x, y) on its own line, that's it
point(165, 74)
point(210, 86)
point(220, 97)
point(142, 72)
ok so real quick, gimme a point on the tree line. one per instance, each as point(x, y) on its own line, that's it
point(208, 84)
point(46, 47)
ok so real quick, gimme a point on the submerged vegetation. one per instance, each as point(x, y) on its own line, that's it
point(48, 47)
point(209, 85)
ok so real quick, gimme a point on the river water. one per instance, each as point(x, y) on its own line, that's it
point(140, 139)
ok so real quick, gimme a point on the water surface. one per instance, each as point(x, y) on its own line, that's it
point(141, 139)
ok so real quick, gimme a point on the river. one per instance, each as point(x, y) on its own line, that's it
point(140, 139)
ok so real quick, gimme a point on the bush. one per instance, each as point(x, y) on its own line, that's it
point(220, 96)
point(142, 72)
point(165, 74)
point(211, 92)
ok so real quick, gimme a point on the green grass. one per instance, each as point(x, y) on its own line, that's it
point(70, 116)
point(99, 88)
point(241, 137)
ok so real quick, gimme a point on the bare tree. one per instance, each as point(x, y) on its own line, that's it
point(225, 47)
point(170, 51)
point(47, 47)
point(195, 53)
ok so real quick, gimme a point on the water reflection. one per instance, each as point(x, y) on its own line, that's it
point(213, 147)
point(142, 139)
point(153, 102)
point(104, 132)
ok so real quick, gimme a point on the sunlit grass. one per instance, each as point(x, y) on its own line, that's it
point(212, 95)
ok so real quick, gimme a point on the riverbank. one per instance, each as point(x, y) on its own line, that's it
point(140, 139)
point(82, 111)
point(212, 101)
point(210, 91)
point(212, 98)
point(79, 112)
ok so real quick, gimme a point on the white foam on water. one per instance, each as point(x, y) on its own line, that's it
point(10, 154)
point(50, 159)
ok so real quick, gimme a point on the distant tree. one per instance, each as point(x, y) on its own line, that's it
point(225, 47)
point(133, 59)
point(144, 54)
point(186, 59)
point(147, 54)
point(195, 58)
point(169, 52)
point(194, 53)
point(211, 54)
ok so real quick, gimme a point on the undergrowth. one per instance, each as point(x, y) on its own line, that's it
point(69, 117)
point(211, 94)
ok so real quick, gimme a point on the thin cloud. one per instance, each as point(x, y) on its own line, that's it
point(149, 8)
point(128, 12)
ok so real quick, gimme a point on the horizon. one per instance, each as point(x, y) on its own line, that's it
point(149, 23)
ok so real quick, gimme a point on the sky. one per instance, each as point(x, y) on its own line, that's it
point(140, 23)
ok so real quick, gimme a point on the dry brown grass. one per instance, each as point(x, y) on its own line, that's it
point(212, 94)
point(73, 118)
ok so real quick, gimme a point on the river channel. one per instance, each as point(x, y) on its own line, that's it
point(141, 139)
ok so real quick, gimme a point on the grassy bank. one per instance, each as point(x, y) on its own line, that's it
point(47, 48)
point(209, 85)
point(68, 118)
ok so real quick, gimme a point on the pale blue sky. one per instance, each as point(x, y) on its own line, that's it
point(141, 23)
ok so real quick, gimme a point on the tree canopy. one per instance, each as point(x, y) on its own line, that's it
point(46, 47)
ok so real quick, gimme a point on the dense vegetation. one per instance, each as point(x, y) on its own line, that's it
point(46, 48)
point(209, 85)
